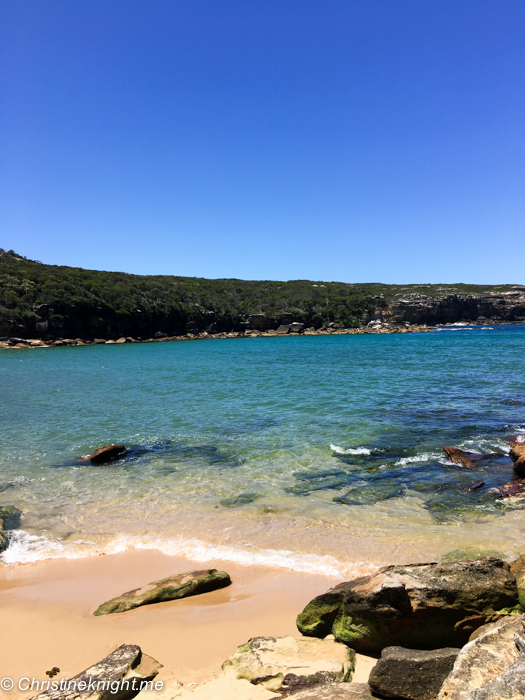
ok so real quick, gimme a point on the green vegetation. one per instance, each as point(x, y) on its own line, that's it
point(39, 300)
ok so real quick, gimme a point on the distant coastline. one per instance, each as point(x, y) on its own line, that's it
point(51, 303)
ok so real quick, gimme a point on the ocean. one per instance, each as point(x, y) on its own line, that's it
point(320, 454)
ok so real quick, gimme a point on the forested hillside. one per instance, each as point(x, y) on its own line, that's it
point(38, 300)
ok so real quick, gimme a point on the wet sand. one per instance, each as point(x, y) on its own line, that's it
point(47, 616)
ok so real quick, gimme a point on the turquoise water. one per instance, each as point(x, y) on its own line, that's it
point(314, 453)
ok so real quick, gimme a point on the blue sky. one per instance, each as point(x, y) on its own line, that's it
point(360, 141)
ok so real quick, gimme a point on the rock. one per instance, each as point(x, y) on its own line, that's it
point(484, 658)
point(283, 330)
point(334, 691)
point(296, 327)
point(106, 454)
point(515, 440)
point(511, 684)
point(517, 454)
point(287, 663)
point(99, 341)
point(121, 340)
point(419, 606)
point(467, 459)
point(171, 588)
point(160, 334)
point(411, 674)
point(127, 666)
point(9, 518)
point(512, 489)
point(518, 569)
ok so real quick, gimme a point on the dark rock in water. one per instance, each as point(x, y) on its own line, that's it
point(511, 684)
point(483, 659)
point(467, 459)
point(171, 588)
point(240, 500)
point(515, 488)
point(517, 454)
point(419, 606)
point(126, 666)
point(411, 674)
point(106, 454)
point(9, 519)
point(476, 485)
point(334, 691)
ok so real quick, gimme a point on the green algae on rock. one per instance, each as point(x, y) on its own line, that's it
point(290, 663)
point(171, 588)
point(419, 606)
point(8, 514)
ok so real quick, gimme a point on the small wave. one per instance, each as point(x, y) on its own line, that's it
point(350, 451)
point(425, 457)
point(26, 549)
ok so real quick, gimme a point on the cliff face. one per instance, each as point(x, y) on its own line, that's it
point(502, 307)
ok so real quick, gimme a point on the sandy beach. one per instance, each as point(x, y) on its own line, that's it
point(48, 616)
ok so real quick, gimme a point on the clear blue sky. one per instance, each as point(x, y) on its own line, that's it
point(352, 140)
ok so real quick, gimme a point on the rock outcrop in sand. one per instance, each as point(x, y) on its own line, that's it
point(171, 588)
point(419, 606)
point(120, 675)
point(287, 663)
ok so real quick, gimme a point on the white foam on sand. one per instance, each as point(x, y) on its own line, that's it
point(350, 451)
point(25, 548)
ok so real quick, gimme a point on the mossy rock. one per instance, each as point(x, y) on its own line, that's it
point(171, 588)
point(290, 663)
point(418, 606)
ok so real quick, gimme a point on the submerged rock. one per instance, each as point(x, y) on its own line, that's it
point(127, 666)
point(171, 588)
point(9, 517)
point(411, 674)
point(287, 663)
point(512, 489)
point(419, 606)
point(486, 657)
point(106, 454)
point(467, 459)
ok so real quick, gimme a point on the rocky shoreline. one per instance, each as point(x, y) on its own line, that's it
point(438, 631)
point(294, 329)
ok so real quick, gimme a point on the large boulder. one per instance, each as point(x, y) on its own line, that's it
point(511, 684)
point(122, 674)
point(9, 518)
point(411, 674)
point(171, 588)
point(418, 606)
point(486, 657)
point(517, 454)
point(287, 663)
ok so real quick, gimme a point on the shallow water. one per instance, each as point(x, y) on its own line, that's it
point(315, 453)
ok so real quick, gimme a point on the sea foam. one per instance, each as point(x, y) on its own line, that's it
point(350, 451)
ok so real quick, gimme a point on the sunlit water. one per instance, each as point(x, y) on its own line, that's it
point(319, 454)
